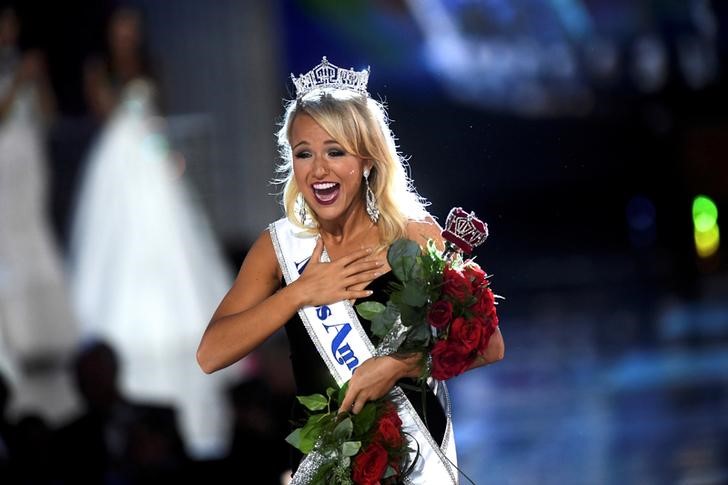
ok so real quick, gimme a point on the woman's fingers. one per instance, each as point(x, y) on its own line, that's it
point(361, 277)
point(357, 294)
point(317, 251)
point(355, 256)
point(365, 265)
point(358, 406)
point(373, 379)
point(343, 279)
point(354, 401)
point(348, 402)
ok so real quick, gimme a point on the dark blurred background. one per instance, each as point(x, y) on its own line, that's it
point(591, 135)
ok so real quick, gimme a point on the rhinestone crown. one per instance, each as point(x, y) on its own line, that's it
point(327, 75)
point(464, 230)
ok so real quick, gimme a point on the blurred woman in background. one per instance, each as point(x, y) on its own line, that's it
point(145, 265)
point(37, 329)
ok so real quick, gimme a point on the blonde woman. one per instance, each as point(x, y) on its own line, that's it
point(347, 197)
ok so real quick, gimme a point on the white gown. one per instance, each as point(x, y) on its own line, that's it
point(146, 271)
point(36, 321)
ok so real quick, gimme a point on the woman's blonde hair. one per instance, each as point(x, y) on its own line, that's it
point(360, 125)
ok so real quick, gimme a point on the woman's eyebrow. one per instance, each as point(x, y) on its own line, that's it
point(327, 142)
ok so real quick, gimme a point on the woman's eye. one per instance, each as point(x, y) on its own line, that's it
point(336, 153)
point(303, 154)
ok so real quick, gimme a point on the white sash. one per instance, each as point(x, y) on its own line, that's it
point(343, 345)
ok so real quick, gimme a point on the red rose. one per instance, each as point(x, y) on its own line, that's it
point(369, 465)
point(485, 305)
point(440, 314)
point(484, 341)
point(449, 360)
point(491, 323)
point(475, 275)
point(467, 333)
point(455, 285)
point(389, 431)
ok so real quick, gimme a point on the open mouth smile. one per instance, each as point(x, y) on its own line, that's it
point(325, 193)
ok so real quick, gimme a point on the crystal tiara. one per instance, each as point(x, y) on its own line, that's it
point(464, 230)
point(327, 75)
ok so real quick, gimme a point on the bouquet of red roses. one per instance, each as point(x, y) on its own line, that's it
point(442, 305)
point(358, 449)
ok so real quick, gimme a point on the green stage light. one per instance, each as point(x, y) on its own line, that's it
point(705, 213)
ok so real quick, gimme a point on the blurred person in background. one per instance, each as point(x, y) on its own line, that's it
point(115, 439)
point(347, 193)
point(145, 267)
point(37, 328)
point(261, 408)
point(126, 59)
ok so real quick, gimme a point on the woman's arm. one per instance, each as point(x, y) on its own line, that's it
point(251, 310)
point(100, 96)
point(46, 99)
point(495, 351)
point(6, 100)
point(256, 306)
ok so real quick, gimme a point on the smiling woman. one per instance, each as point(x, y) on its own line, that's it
point(328, 176)
point(347, 198)
point(354, 126)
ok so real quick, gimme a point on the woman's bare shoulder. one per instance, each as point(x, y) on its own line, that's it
point(423, 230)
point(258, 278)
point(262, 257)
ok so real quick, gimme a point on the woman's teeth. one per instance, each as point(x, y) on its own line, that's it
point(326, 192)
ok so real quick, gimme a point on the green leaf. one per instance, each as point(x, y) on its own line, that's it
point(432, 250)
point(343, 429)
point(418, 335)
point(322, 474)
point(413, 315)
point(350, 448)
point(390, 472)
point(382, 322)
point(305, 437)
point(319, 418)
point(402, 258)
point(369, 309)
point(396, 297)
point(364, 420)
point(330, 392)
point(432, 263)
point(309, 434)
point(414, 294)
point(314, 402)
point(294, 439)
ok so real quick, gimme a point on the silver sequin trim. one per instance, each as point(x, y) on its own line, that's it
point(301, 313)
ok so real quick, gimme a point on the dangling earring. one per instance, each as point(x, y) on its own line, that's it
point(372, 208)
point(301, 202)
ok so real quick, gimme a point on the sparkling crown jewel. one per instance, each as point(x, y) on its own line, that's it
point(464, 230)
point(327, 75)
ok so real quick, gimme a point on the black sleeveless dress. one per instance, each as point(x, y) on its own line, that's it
point(312, 376)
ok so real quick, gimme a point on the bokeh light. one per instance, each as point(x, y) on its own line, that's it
point(641, 220)
point(705, 221)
